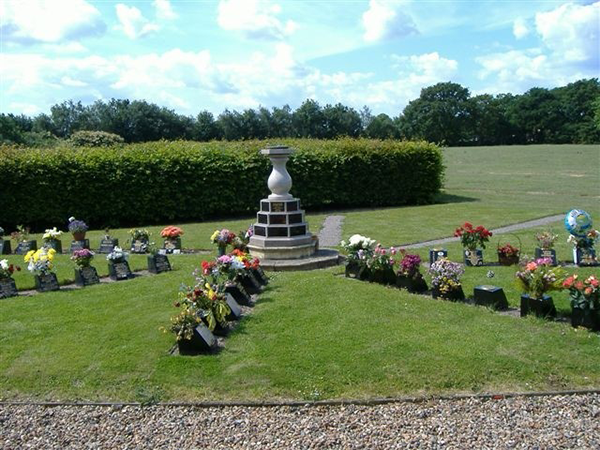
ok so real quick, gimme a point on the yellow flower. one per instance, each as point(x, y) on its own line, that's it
point(29, 254)
point(210, 293)
point(214, 236)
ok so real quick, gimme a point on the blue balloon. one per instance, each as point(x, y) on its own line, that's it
point(578, 222)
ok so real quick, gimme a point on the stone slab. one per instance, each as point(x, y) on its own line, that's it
point(321, 259)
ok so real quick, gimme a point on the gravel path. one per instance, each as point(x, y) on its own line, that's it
point(501, 230)
point(330, 234)
point(567, 421)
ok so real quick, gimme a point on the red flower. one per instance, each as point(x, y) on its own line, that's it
point(468, 225)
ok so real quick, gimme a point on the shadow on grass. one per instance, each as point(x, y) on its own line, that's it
point(444, 198)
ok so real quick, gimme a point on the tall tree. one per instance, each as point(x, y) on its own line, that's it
point(309, 120)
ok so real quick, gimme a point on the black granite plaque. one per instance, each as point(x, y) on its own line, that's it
point(547, 253)
point(298, 230)
point(202, 340)
point(238, 292)
point(8, 288)
point(492, 296)
point(260, 231)
point(277, 207)
point(236, 311)
point(139, 246)
point(86, 276)
point(107, 245)
point(158, 263)
point(5, 247)
point(25, 246)
point(80, 245)
point(260, 275)
point(264, 206)
point(55, 244)
point(278, 219)
point(293, 206)
point(119, 270)
point(47, 282)
point(278, 232)
point(295, 218)
point(250, 283)
point(263, 218)
point(437, 253)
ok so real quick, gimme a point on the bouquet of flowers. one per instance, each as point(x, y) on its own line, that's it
point(538, 277)
point(117, 255)
point(410, 265)
point(358, 247)
point(183, 324)
point(445, 275)
point(470, 237)
point(382, 259)
point(584, 294)
point(250, 262)
point(51, 235)
point(170, 232)
point(6, 269)
point(82, 258)
point(230, 266)
point(508, 250)
point(140, 234)
point(21, 235)
point(223, 237)
point(77, 226)
point(546, 239)
point(242, 240)
point(40, 261)
point(585, 243)
point(207, 303)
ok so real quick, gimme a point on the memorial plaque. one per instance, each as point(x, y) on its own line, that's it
point(25, 246)
point(492, 296)
point(240, 294)
point(278, 219)
point(5, 247)
point(139, 246)
point(295, 218)
point(546, 253)
point(298, 230)
point(263, 218)
point(264, 206)
point(55, 244)
point(8, 288)
point(585, 257)
point(260, 275)
point(80, 245)
point(202, 340)
point(260, 231)
point(278, 232)
point(158, 263)
point(437, 253)
point(170, 245)
point(277, 207)
point(86, 276)
point(236, 311)
point(119, 270)
point(250, 283)
point(47, 282)
point(107, 245)
point(293, 206)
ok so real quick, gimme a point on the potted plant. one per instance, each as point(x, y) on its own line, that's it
point(51, 238)
point(40, 265)
point(23, 243)
point(585, 301)
point(191, 333)
point(4, 244)
point(381, 265)
point(118, 267)
point(222, 238)
point(545, 246)
point(172, 236)
point(471, 238)
point(8, 288)
point(535, 279)
point(78, 228)
point(445, 280)
point(409, 273)
point(508, 255)
point(140, 240)
point(85, 274)
point(358, 250)
point(584, 253)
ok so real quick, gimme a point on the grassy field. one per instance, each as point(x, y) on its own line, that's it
point(317, 335)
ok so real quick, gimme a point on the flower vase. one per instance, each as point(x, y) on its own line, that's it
point(540, 307)
point(586, 317)
point(473, 257)
point(222, 249)
point(414, 285)
point(78, 235)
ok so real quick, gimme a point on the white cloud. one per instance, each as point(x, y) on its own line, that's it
point(45, 21)
point(520, 29)
point(254, 18)
point(385, 20)
point(133, 23)
point(164, 10)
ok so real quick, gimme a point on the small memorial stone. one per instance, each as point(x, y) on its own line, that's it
point(158, 263)
point(170, 245)
point(107, 245)
point(260, 275)
point(119, 270)
point(585, 257)
point(86, 276)
point(546, 253)
point(492, 296)
point(139, 246)
point(80, 245)
point(25, 246)
point(8, 288)
point(473, 257)
point(240, 294)
point(437, 253)
point(202, 341)
point(236, 311)
point(250, 283)
point(55, 244)
point(5, 248)
point(46, 282)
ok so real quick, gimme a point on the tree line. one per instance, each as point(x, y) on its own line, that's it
point(445, 113)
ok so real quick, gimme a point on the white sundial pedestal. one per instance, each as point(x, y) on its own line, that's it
point(280, 181)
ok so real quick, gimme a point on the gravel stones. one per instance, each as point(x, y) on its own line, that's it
point(560, 421)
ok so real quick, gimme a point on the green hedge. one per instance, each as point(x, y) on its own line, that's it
point(162, 182)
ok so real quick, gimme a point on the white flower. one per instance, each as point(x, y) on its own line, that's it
point(51, 234)
point(4, 264)
point(71, 219)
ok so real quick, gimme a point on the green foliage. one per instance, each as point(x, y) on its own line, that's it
point(166, 181)
point(95, 139)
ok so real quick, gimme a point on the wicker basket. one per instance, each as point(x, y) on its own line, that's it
point(505, 260)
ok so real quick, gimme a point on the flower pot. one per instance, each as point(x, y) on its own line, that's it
point(383, 276)
point(454, 295)
point(505, 260)
point(8, 288)
point(202, 341)
point(78, 235)
point(473, 257)
point(586, 317)
point(5, 248)
point(546, 253)
point(158, 263)
point(221, 250)
point(86, 276)
point(352, 268)
point(55, 244)
point(540, 307)
point(46, 282)
point(25, 246)
point(415, 285)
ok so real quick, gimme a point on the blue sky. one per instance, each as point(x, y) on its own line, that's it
point(194, 55)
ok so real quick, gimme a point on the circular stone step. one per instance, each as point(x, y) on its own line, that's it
point(320, 259)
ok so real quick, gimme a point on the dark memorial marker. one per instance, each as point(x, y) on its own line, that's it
point(492, 296)
point(119, 270)
point(240, 294)
point(546, 253)
point(47, 282)
point(139, 246)
point(107, 245)
point(158, 263)
point(55, 244)
point(437, 253)
point(236, 311)
point(170, 245)
point(249, 282)
point(260, 275)
point(202, 341)
point(80, 245)
point(25, 246)
point(5, 247)
point(8, 288)
point(86, 276)
point(277, 207)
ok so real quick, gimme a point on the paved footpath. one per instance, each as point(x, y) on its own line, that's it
point(545, 422)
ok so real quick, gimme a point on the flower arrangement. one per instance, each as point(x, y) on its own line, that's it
point(382, 259)
point(40, 261)
point(183, 324)
point(546, 239)
point(207, 303)
point(21, 235)
point(250, 262)
point(445, 275)
point(170, 232)
point(6, 269)
point(77, 226)
point(242, 239)
point(538, 277)
point(508, 250)
point(222, 237)
point(587, 242)
point(358, 244)
point(584, 294)
point(140, 234)
point(51, 235)
point(82, 258)
point(230, 266)
point(410, 265)
point(117, 255)
point(471, 238)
